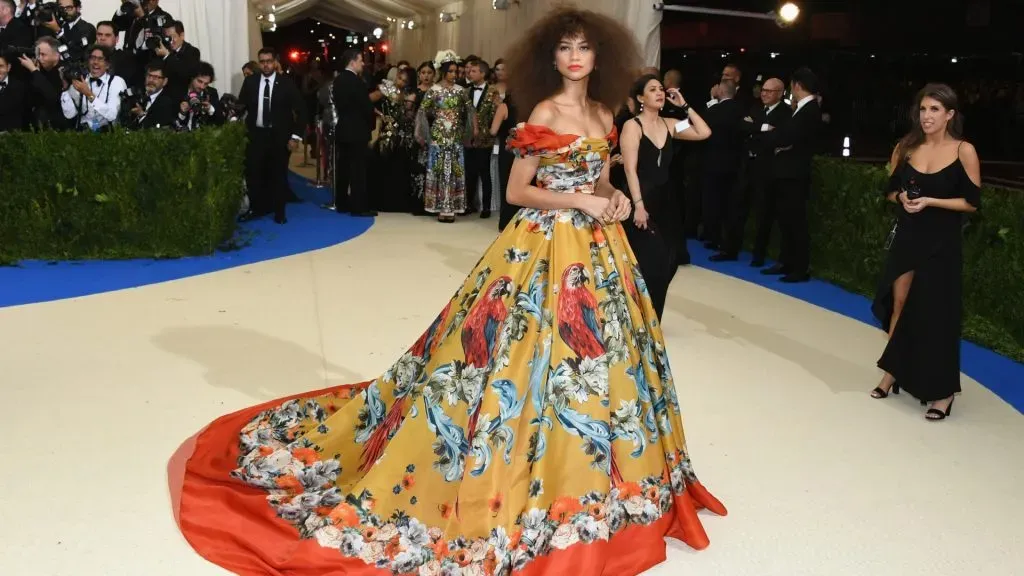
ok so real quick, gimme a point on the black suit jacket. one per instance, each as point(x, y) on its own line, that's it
point(163, 111)
point(181, 67)
point(13, 104)
point(795, 143)
point(16, 34)
point(355, 110)
point(723, 150)
point(757, 139)
point(216, 119)
point(46, 89)
point(78, 39)
point(287, 107)
point(125, 66)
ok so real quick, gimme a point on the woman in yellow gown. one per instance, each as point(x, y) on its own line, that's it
point(532, 429)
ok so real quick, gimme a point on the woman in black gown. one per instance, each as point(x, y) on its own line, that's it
point(935, 179)
point(505, 119)
point(647, 158)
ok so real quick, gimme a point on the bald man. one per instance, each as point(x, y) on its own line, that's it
point(755, 177)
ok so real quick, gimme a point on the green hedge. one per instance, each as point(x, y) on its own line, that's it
point(850, 221)
point(149, 194)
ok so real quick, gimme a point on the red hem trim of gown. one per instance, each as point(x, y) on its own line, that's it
point(232, 525)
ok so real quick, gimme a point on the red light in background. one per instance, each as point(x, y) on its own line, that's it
point(384, 48)
point(294, 55)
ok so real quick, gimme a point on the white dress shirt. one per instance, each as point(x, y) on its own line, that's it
point(104, 108)
point(803, 102)
point(260, 94)
point(259, 100)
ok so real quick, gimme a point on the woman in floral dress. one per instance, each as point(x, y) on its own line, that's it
point(445, 109)
point(532, 429)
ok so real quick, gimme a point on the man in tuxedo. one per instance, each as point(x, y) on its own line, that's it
point(181, 59)
point(721, 162)
point(75, 35)
point(794, 145)
point(200, 105)
point(14, 32)
point(479, 146)
point(275, 119)
point(755, 175)
point(94, 102)
point(138, 23)
point(122, 62)
point(13, 101)
point(355, 120)
point(159, 108)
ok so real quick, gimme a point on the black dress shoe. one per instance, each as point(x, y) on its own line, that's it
point(365, 214)
point(757, 263)
point(484, 214)
point(711, 245)
point(251, 215)
point(724, 257)
point(280, 219)
point(776, 270)
point(794, 278)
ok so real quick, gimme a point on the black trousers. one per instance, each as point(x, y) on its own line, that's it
point(350, 192)
point(748, 192)
point(793, 194)
point(478, 169)
point(716, 193)
point(266, 172)
point(769, 212)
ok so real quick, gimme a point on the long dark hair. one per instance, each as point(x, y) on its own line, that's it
point(533, 78)
point(638, 90)
point(944, 95)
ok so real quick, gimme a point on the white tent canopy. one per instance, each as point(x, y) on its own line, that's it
point(468, 26)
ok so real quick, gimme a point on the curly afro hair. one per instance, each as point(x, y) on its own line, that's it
point(532, 78)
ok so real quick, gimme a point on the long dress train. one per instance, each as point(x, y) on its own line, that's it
point(532, 429)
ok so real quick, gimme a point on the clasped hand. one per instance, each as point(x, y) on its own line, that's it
point(913, 206)
point(608, 210)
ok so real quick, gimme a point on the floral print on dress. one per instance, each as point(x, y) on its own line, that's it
point(537, 412)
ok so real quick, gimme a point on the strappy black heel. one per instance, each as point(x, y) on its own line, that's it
point(878, 393)
point(935, 414)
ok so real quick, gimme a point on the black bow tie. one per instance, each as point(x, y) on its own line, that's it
point(478, 88)
point(96, 81)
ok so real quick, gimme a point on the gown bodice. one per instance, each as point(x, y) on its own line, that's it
point(933, 225)
point(568, 163)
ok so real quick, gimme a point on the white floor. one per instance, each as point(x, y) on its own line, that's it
point(819, 478)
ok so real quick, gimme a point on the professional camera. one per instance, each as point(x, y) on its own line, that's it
point(131, 98)
point(71, 71)
point(232, 108)
point(14, 53)
point(49, 11)
point(154, 28)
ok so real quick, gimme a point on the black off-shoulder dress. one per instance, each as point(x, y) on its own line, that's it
point(923, 354)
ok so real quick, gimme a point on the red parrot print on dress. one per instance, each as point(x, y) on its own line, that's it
point(480, 330)
point(577, 314)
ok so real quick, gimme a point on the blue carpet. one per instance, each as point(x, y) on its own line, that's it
point(309, 228)
point(1002, 376)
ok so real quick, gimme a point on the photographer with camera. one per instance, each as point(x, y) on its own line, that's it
point(93, 101)
point(63, 21)
point(156, 107)
point(46, 84)
point(201, 106)
point(181, 59)
point(12, 99)
point(143, 21)
point(122, 63)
